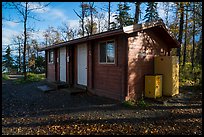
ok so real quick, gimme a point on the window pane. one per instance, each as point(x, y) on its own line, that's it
point(110, 52)
point(51, 56)
point(103, 52)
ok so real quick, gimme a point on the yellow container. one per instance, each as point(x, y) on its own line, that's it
point(168, 66)
point(153, 86)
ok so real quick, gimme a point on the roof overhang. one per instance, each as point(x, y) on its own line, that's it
point(85, 39)
point(156, 27)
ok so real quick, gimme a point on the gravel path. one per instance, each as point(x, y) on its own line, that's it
point(28, 110)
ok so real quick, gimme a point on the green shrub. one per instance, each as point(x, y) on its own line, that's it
point(129, 103)
point(142, 103)
point(189, 77)
point(5, 77)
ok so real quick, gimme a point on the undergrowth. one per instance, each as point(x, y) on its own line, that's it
point(31, 77)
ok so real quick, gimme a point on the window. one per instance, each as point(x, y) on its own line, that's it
point(107, 52)
point(51, 57)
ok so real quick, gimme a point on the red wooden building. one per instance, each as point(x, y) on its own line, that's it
point(112, 63)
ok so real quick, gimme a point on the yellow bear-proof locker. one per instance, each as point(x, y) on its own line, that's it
point(153, 86)
point(168, 66)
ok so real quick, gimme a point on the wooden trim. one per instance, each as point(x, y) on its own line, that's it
point(115, 52)
point(75, 65)
point(67, 64)
point(85, 39)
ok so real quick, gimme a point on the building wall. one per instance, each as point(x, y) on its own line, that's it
point(142, 47)
point(108, 78)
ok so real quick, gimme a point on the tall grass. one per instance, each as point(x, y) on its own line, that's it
point(31, 77)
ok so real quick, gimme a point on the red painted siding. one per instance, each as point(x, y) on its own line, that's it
point(107, 78)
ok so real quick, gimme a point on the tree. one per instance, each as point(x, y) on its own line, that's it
point(192, 57)
point(181, 22)
point(109, 10)
point(92, 11)
point(100, 18)
point(185, 42)
point(137, 12)
point(166, 10)
point(52, 36)
point(123, 18)
point(90, 27)
point(151, 12)
point(40, 64)
point(67, 32)
point(25, 10)
point(7, 59)
point(35, 46)
point(18, 40)
point(31, 62)
point(82, 16)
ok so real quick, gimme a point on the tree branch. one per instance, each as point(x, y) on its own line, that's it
point(77, 14)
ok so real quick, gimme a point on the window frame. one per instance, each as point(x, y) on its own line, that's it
point(49, 57)
point(99, 54)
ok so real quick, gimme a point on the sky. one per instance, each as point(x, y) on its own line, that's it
point(54, 15)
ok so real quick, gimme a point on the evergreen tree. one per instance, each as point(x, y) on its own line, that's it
point(123, 18)
point(151, 12)
point(7, 59)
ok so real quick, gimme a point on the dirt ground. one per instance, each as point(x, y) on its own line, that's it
point(26, 110)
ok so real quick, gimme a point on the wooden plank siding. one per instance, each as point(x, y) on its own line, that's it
point(139, 66)
point(108, 78)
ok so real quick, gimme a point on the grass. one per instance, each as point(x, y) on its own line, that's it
point(5, 77)
point(142, 103)
point(129, 103)
point(31, 77)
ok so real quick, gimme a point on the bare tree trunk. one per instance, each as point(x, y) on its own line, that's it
point(82, 19)
point(25, 39)
point(91, 12)
point(185, 43)
point(19, 57)
point(180, 29)
point(137, 12)
point(108, 15)
point(193, 50)
point(91, 29)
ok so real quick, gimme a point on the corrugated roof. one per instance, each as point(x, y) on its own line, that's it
point(157, 27)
